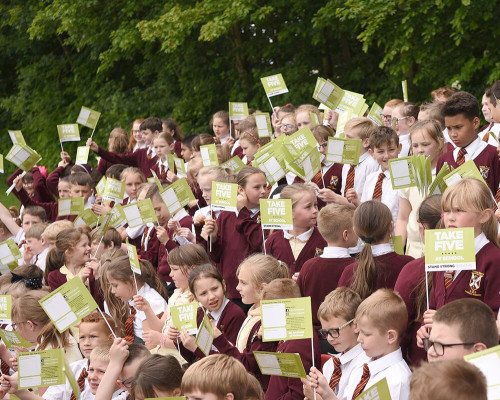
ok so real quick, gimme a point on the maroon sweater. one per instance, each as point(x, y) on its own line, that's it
point(282, 388)
point(318, 277)
point(483, 283)
point(487, 162)
point(137, 159)
point(53, 181)
point(178, 148)
point(56, 279)
point(41, 193)
point(333, 181)
point(51, 209)
point(148, 251)
point(238, 237)
point(279, 247)
point(408, 280)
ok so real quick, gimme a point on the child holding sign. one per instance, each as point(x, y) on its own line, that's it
point(133, 178)
point(304, 241)
point(378, 265)
point(163, 145)
point(117, 144)
point(250, 144)
point(404, 116)
point(220, 126)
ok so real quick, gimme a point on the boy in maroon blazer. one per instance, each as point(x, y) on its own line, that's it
point(461, 115)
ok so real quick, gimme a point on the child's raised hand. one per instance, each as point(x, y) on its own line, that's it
point(186, 233)
point(242, 201)
point(422, 333)
point(327, 195)
point(65, 157)
point(100, 209)
point(93, 145)
point(193, 203)
point(188, 341)
point(151, 337)
point(63, 163)
point(172, 333)
point(118, 351)
point(93, 264)
point(171, 176)
point(85, 273)
point(140, 303)
point(428, 316)
point(18, 183)
point(162, 234)
point(295, 277)
point(210, 229)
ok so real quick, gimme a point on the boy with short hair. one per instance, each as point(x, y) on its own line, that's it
point(36, 246)
point(217, 376)
point(387, 111)
point(461, 114)
point(50, 233)
point(494, 96)
point(98, 362)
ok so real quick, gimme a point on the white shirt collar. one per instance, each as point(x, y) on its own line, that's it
point(351, 354)
point(217, 313)
point(180, 214)
point(404, 138)
point(471, 149)
point(480, 241)
point(335, 252)
point(381, 249)
point(254, 211)
point(385, 362)
point(363, 157)
point(303, 236)
point(224, 139)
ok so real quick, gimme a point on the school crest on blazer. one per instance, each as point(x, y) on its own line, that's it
point(334, 180)
point(484, 170)
point(318, 252)
point(475, 283)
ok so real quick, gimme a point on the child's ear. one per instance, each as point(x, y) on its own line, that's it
point(479, 347)
point(172, 147)
point(392, 336)
point(345, 235)
point(366, 143)
point(485, 215)
point(370, 151)
point(229, 396)
point(120, 385)
point(476, 122)
point(177, 392)
point(44, 242)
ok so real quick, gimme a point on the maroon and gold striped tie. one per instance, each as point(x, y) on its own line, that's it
point(377, 193)
point(349, 182)
point(337, 373)
point(362, 383)
point(129, 326)
point(461, 156)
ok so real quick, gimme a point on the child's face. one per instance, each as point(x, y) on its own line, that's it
point(161, 147)
point(387, 116)
point(495, 112)
point(132, 182)
point(136, 131)
point(123, 290)
point(384, 153)
point(186, 152)
point(447, 334)
point(288, 125)
point(29, 187)
point(486, 105)
point(322, 146)
point(35, 246)
point(347, 339)
point(179, 277)
point(423, 144)
point(97, 368)
point(80, 254)
point(249, 293)
point(249, 149)
point(221, 130)
point(161, 211)
point(148, 136)
point(205, 184)
point(305, 212)
point(28, 330)
point(303, 119)
point(81, 191)
point(456, 217)
point(198, 395)
point(461, 129)
point(254, 190)
point(210, 293)
point(402, 122)
point(63, 189)
point(374, 343)
point(29, 221)
point(92, 334)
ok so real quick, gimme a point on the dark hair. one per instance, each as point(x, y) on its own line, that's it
point(409, 109)
point(201, 140)
point(35, 211)
point(444, 91)
point(80, 179)
point(383, 135)
point(203, 271)
point(461, 103)
point(494, 93)
point(173, 125)
point(152, 123)
point(187, 141)
point(27, 178)
point(115, 171)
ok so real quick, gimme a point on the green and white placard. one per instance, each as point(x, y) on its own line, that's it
point(23, 156)
point(177, 195)
point(180, 165)
point(17, 137)
point(272, 168)
point(1, 164)
point(113, 191)
point(5, 306)
point(88, 117)
point(171, 162)
point(234, 164)
point(86, 217)
point(9, 252)
point(327, 93)
point(449, 249)
point(101, 185)
point(238, 111)
point(132, 256)
point(466, 170)
point(224, 196)
point(209, 155)
point(276, 214)
point(280, 364)
point(68, 304)
point(118, 219)
point(104, 222)
point(82, 155)
point(41, 368)
point(404, 86)
point(412, 171)
point(264, 126)
point(397, 244)
point(488, 362)
point(375, 114)
point(353, 102)
point(274, 85)
point(68, 133)
point(184, 316)
point(438, 185)
point(140, 213)
point(69, 206)
point(344, 151)
point(12, 338)
point(379, 391)
point(205, 335)
point(344, 118)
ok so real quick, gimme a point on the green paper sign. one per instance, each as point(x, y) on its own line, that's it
point(134, 260)
point(104, 221)
point(68, 133)
point(353, 102)
point(140, 213)
point(264, 126)
point(344, 151)
point(9, 252)
point(118, 219)
point(375, 114)
point(397, 244)
point(379, 391)
point(274, 85)
point(88, 117)
point(177, 195)
point(488, 362)
point(238, 111)
point(82, 155)
point(86, 218)
point(5, 306)
point(224, 196)
point(184, 316)
point(314, 119)
point(17, 137)
point(438, 186)
point(41, 368)
point(114, 190)
point(344, 118)
point(449, 249)
point(280, 364)
point(101, 185)
point(272, 168)
point(171, 162)
point(1, 164)
point(69, 206)
point(404, 85)
point(466, 170)
point(234, 164)
point(286, 319)
point(205, 336)
point(23, 156)
point(12, 338)
point(68, 304)
point(328, 93)
point(209, 155)
point(412, 171)
point(180, 165)
point(276, 214)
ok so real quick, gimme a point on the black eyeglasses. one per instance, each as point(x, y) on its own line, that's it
point(439, 347)
point(334, 333)
point(127, 383)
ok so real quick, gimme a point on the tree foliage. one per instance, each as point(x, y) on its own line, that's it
point(186, 59)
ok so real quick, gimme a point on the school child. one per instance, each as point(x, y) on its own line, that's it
point(117, 144)
point(193, 169)
point(304, 241)
point(205, 177)
point(320, 275)
point(404, 116)
point(277, 115)
point(448, 380)
point(411, 284)
point(461, 113)
point(433, 112)
point(50, 233)
point(130, 319)
point(136, 139)
point(250, 144)
point(36, 246)
point(489, 132)
point(468, 203)
point(201, 140)
point(220, 125)
point(384, 146)
point(100, 243)
point(182, 260)
point(208, 288)
point(145, 158)
point(287, 125)
point(163, 144)
point(387, 111)
point(378, 266)
point(303, 115)
point(461, 327)
point(133, 179)
point(71, 257)
point(281, 387)
point(337, 315)
point(186, 148)
point(494, 94)
point(33, 182)
point(236, 235)
point(217, 376)
point(98, 362)
point(426, 139)
point(171, 126)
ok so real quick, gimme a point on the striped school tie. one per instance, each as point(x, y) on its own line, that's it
point(461, 156)
point(349, 182)
point(144, 238)
point(448, 279)
point(362, 383)
point(317, 179)
point(149, 153)
point(377, 193)
point(80, 382)
point(129, 326)
point(337, 373)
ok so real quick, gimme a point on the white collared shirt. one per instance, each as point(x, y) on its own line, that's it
point(473, 149)
point(367, 165)
point(390, 197)
point(479, 242)
point(304, 237)
point(157, 303)
point(235, 146)
point(61, 392)
point(381, 249)
point(164, 163)
point(335, 252)
point(205, 211)
point(404, 141)
point(40, 259)
point(217, 313)
point(392, 367)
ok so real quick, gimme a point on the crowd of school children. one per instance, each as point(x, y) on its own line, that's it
point(375, 313)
